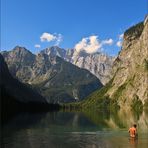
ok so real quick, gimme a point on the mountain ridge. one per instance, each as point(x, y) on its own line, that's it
point(48, 74)
point(99, 64)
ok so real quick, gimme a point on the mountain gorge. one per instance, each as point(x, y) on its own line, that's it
point(129, 84)
point(54, 78)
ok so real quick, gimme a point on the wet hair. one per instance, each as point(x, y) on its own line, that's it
point(135, 125)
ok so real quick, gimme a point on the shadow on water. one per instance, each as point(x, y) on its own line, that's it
point(90, 129)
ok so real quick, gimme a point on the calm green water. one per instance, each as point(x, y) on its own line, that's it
point(75, 130)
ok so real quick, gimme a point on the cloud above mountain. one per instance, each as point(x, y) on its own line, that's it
point(120, 40)
point(48, 37)
point(91, 44)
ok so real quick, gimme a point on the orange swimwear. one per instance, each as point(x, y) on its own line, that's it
point(132, 132)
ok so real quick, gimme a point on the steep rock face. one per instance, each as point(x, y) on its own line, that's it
point(130, 69)
point(20, 61)
point(52, 76)
point(128, 87)
point(98, 64)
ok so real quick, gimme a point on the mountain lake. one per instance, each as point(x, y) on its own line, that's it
point(62, 129)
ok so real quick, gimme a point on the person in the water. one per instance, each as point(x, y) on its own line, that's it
point(133, 131)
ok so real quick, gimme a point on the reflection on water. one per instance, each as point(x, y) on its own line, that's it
point(122, 119)
point(133, 142)
point(75, 130)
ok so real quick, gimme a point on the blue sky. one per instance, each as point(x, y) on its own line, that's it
point(67, 22)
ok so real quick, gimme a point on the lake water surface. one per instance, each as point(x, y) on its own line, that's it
point(75, 130)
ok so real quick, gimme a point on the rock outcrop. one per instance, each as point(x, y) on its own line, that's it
point(97, 63)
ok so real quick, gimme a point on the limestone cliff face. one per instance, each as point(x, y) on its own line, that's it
point(130, 69)
point(97, 63)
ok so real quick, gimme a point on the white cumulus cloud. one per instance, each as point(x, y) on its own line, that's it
point(48, 37)
point(37, 46)
point(90, 44)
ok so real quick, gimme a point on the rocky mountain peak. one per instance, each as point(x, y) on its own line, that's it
point(21, 54)
point(55, 51)
point(18, 50)
point(19, 61)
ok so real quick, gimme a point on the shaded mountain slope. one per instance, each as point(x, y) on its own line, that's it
point(16, 96)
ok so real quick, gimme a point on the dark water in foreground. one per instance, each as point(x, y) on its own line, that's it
point(75, 130)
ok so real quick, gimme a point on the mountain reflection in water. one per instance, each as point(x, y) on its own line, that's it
point(75, 130)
